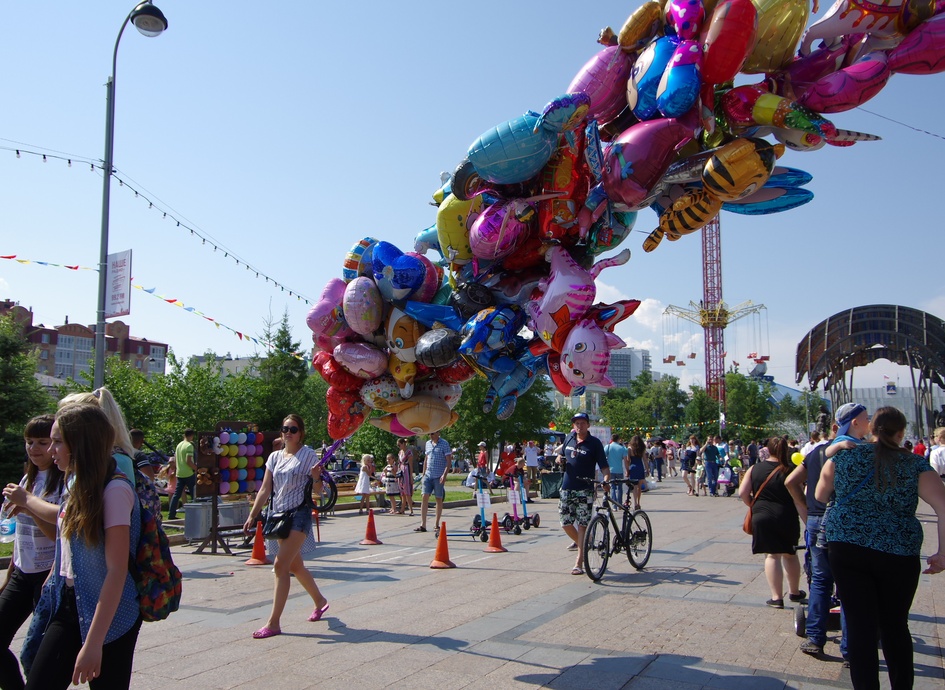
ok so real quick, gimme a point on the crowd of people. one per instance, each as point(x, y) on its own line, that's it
point(854, 487)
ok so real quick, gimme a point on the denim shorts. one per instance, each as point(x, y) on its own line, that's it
point(432, 486)
point(302, 520)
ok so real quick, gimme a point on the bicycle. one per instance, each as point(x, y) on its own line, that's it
point(634, 535)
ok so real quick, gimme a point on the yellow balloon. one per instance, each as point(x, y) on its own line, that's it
point(797, 458)
point(452, 229)
point(640, 26)
point(780, 25)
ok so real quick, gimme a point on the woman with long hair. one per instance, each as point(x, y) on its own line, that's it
point(90, 594)
point(874, 540)
point(636, 449)
point(102, 398)
point(775, 524)
point(34, 502)
point(405, 455)
point(286, 479)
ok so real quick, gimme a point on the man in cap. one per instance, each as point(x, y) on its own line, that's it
point(581, 454)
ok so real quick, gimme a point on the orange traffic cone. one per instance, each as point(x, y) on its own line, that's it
point(495, 541)
point(441, 559)
point(370, 534)
point(259, 549)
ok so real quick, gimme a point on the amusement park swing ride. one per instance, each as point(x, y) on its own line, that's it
point(714, 315)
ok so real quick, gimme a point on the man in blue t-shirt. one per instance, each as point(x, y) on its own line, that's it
point(617, 460)
point(710, 458)
point(581, 453)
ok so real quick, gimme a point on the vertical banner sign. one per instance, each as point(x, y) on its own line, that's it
point(118, 284)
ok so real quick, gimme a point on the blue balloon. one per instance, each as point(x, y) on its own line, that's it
point(788, 198)
point(646, 75)
point(679, 86)
point(517, 150)
point(491, 329)
point(395, 273)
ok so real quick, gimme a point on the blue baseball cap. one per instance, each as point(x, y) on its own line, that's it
point(845, 416)
point(581, 415)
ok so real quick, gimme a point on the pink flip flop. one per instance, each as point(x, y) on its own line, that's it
point(317, 614)
point(265, 632)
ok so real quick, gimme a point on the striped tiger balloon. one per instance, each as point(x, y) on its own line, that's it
point(688, 213)
point(740, 168)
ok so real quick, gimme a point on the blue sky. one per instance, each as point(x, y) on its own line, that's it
point(290, 132)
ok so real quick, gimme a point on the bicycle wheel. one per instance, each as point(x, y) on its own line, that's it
point(329, 496)
point(639, 540)
point(596, 547)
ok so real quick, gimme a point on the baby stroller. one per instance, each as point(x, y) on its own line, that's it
point(728, 479)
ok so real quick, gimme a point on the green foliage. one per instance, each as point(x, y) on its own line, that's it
point(650, 406)
point(21, 397)
point(747, 402)
point(702, 414)
point(280, 388)
point(533, 412)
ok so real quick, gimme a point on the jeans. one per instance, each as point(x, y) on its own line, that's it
point(189, 483)
point(16, 604)
point(712, 477)
point(821, 589)
point(616, 488)
point(55, 660)
point(877, 590)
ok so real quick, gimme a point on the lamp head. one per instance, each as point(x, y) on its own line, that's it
point(148, 19)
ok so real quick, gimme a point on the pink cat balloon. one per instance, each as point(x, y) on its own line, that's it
point(568, 293)
point(586, 354)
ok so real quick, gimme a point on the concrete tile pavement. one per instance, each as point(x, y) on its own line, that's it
point(694, 618)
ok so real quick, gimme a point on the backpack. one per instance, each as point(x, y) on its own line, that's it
point(157, 579)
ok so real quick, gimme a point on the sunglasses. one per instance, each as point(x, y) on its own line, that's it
point(290, 430)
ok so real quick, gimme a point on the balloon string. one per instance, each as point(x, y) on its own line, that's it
point(903, 124)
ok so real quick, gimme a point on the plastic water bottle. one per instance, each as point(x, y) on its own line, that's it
point(7, 526)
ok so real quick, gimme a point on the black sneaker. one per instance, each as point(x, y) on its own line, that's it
point(812, 648)
point(800, 596)
point(775, 603)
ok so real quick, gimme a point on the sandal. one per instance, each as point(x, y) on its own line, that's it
point(577, 571)
point(420, 529)
point(265, 632)
point(317, 613)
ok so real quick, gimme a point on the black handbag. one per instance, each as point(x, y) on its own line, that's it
point(278, 525)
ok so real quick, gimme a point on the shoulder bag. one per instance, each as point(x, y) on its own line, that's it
point(746, 526)
point(278, 525)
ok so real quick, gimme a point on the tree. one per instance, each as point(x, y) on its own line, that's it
point(702, 413)
point(747, 403)
point(533, 412)
point(648, 406)
point(21, 396)
point(280, 388)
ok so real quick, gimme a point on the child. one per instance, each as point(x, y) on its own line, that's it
point(89, 608)
point(392, 483)
point(35, 502)
point(700, 478)
point(365, 478)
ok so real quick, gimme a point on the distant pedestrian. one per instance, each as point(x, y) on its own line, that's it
point(408, 462)
point(687, 464)
point(636, 470)
point(436, 464)
point(186, 467)
point(365, 487)
point(619, 466)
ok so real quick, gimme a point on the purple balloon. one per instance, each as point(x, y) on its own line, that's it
point(603, 79)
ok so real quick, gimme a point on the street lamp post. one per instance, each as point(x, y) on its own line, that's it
point(150, 21)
